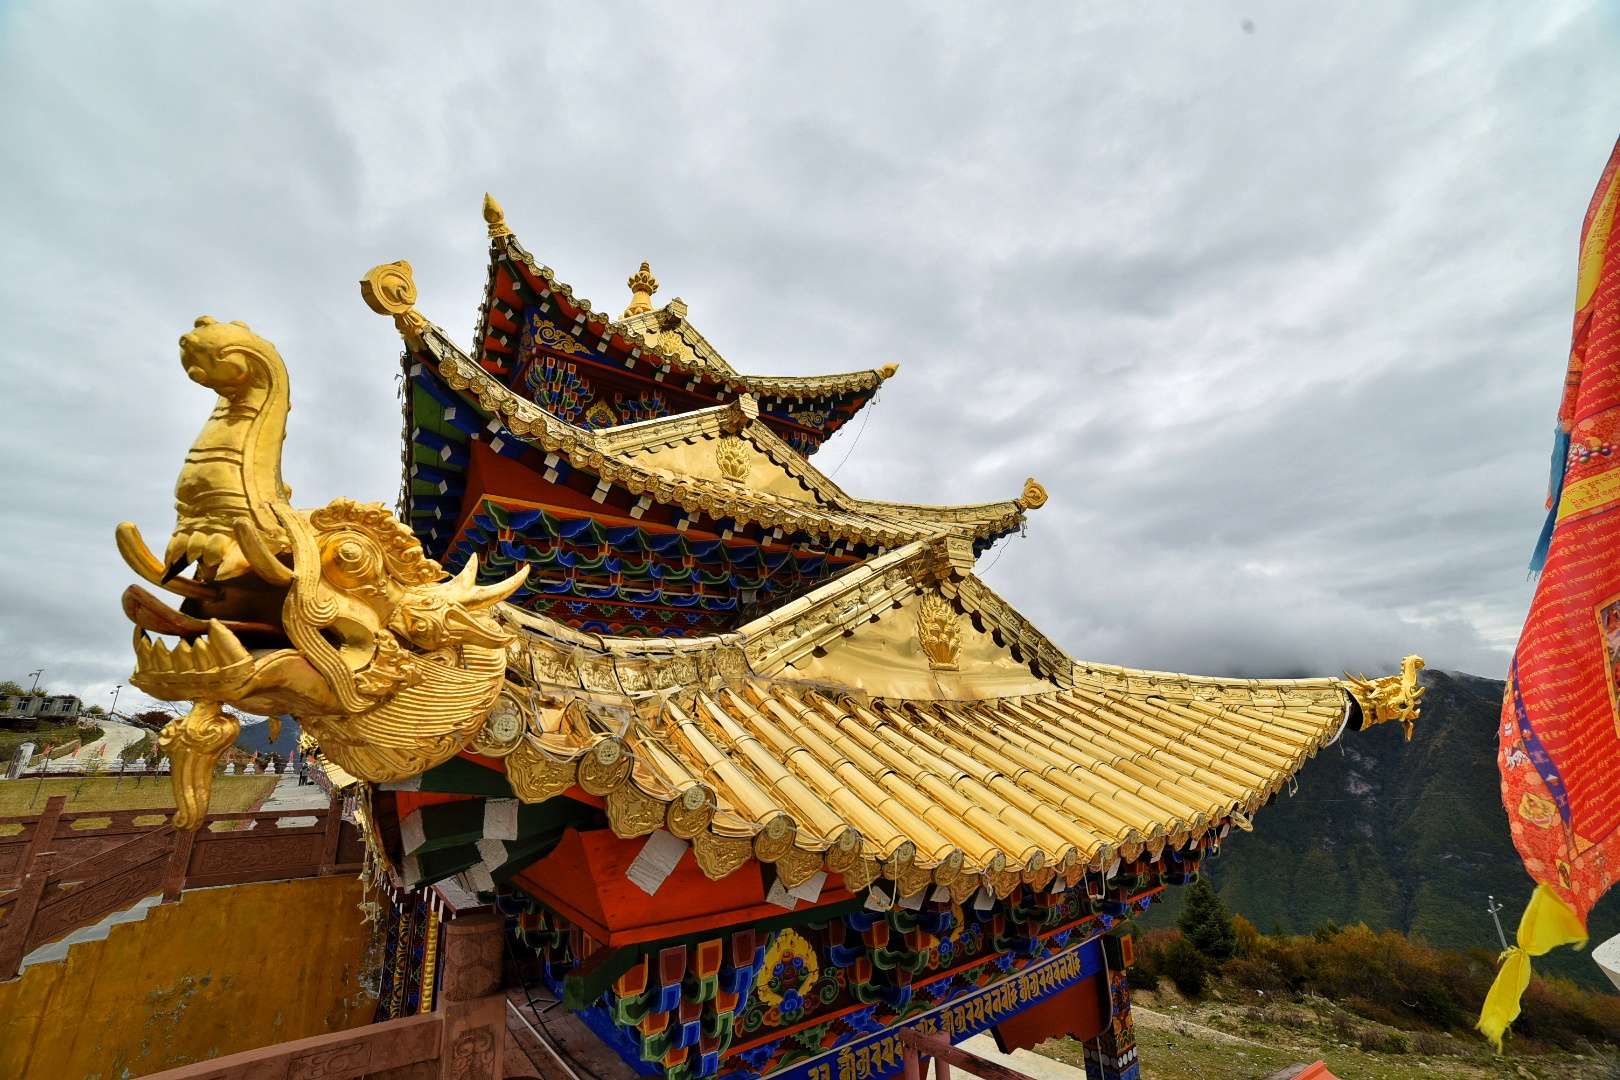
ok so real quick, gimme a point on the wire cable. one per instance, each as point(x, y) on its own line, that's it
point(865, 416)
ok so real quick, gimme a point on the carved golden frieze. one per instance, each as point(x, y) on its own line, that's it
point(631, 813)
point(798, 866)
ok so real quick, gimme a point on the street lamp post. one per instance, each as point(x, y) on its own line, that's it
point(36, 675)
point(114, 713)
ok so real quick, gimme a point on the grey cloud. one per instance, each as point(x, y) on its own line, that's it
point(1279, 317)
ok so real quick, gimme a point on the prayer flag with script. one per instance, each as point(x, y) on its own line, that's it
point(1560, 734)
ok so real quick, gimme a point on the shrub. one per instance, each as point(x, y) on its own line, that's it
point(1141, 977)
point(1399, 982)
point(1186, 966)
point(1371, 1010)
point(1427, 1042)
point(1253, 973)
point(1384, 1042)
point(1247, 936)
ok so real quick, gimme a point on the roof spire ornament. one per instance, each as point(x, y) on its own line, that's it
point(390, 289)
point(642, 286)
point(496, 217)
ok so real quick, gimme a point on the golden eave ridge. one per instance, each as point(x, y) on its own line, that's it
point(853, 521)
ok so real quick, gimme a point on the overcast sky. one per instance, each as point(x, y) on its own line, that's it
point(1273, 298)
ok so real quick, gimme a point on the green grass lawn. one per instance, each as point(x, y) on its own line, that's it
point(230, 794)
point(55, 734)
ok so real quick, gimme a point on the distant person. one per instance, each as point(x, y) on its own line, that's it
point(303, 773)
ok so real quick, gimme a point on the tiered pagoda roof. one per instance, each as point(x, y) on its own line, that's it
point(689, 521)
point(682, 683)
point(547, 344)
point(717, 640)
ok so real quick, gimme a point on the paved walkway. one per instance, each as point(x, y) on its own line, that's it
point(288, 795)
point(102, 751)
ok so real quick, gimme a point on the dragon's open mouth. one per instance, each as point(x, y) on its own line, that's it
point(213, 652)
point(225, 642)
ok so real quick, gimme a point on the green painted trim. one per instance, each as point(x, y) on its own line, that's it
point(458, 776)
point(447, 825)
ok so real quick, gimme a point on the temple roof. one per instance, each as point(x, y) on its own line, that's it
point(630, 455)
point(716, 640)
point(544, 341)
point(830, 735)
point(487, 467)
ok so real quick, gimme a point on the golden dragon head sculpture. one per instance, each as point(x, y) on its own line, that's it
point(1393, 697)
point(335, 616)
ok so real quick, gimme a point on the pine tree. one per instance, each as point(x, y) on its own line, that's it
point(1205, 923)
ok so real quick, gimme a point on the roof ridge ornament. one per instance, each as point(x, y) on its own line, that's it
point(740, 413)
point(1033, 497)
point(496, 217)
point(1394, 697)
point(939, 632)
point(642, 286)
point(390, 289)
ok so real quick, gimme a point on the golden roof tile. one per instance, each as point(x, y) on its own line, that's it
point(989, 790)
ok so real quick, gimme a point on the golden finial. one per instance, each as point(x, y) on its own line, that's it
point(642, 286)
point(495, 216)
point(1033, 497)
point(390, 289)
point(888, 370)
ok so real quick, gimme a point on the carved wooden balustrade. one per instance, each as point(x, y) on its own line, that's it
point(61, 872)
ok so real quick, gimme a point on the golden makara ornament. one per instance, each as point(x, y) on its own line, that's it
point(333, 615)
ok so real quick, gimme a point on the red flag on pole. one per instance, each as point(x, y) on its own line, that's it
point(1559, 751)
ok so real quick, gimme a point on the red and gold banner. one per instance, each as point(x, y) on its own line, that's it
point(1560, 734)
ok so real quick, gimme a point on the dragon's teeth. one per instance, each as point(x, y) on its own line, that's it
point(183, 660)
point(160, 656)
point(227, 646)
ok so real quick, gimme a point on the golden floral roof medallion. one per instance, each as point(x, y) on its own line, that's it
point(732, 458)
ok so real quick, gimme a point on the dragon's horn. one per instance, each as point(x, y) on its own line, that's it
point(464, 589)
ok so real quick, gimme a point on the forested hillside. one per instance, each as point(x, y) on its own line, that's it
point(1407, 836)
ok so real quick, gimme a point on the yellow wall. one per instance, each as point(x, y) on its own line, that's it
point(222, 971)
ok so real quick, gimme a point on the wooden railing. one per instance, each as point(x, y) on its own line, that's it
point(920, 1048)
point(61, 872)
